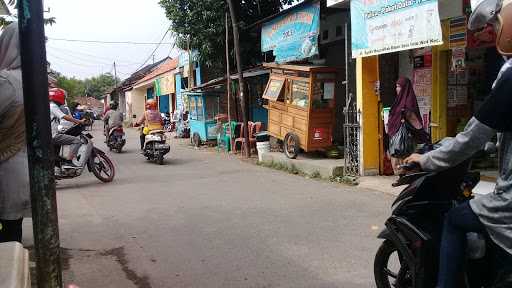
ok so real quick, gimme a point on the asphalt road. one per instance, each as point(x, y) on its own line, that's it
point(210, 220)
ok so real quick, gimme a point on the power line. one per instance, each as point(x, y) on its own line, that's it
point(111, 42)
point(87, 57)
point(63, 52)
point(158, 46)
point(74, 63)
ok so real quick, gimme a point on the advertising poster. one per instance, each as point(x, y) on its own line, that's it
point(293, 36)
point(385, 26)
point(423, 90)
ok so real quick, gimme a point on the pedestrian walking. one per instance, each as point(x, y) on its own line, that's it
point(405, 127)
point(14, 178)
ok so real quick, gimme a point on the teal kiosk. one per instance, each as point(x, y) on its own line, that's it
point(203, 107)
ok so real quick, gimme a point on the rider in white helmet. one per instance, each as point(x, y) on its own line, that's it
point(491, 213)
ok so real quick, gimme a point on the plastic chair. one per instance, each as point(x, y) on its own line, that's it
point(254, 127)
point(221, 140)
point(224, 139)
point(240, 139)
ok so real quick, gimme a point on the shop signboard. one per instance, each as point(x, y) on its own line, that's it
point(165, 85)
point(384, 26)
point(423, 90)
point(293, 36)
point(458, 32)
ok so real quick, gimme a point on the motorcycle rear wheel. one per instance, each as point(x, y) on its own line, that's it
point(384, 276)
point(102, 167)
point(160, 159)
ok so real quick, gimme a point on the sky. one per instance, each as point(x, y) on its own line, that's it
point(105, 20)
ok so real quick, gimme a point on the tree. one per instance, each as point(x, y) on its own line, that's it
point(95, 87)
point(199, 24)
point(100, 85)
point(74, 87)
point(4, 21)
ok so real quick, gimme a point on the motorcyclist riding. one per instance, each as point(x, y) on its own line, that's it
point(152, 120)
point(57, 98)
point(491, 213)
point(112, 119)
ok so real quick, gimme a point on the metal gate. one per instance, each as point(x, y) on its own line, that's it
point(352, 127)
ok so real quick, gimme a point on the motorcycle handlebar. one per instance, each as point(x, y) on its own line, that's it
point(409, 166)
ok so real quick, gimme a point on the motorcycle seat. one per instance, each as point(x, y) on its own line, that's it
point(157, 132)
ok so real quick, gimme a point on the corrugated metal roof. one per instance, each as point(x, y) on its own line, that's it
point(165, 67)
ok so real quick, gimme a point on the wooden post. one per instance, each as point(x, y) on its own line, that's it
point(236, 40)
point(39, 144)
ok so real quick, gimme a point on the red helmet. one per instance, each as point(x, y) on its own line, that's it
point(151, 104)
point(57, 95)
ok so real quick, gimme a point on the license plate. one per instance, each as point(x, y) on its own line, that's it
point(162, 146)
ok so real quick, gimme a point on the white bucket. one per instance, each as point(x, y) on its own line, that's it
point(262, 147)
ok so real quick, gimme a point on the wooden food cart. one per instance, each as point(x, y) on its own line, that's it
point(301, 106)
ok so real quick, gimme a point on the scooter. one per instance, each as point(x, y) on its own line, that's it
point(409, 255)
point(155, 146)
point(116, 139)
point(96, 161)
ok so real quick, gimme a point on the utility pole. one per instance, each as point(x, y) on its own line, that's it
point(39, 144)
point(236, 40)
point(191, 78)
point(228, 73)
point(115, 83)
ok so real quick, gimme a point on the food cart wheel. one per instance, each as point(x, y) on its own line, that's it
point(196, 140)
point(291, 145)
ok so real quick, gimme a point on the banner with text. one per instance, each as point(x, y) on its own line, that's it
point(385, 26)
point(293, 36)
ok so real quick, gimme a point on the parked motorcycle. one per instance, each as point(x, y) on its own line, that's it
point(155, 147)
point(168, 123)
point(409, 255)
point(116, 139)
point(88, 156)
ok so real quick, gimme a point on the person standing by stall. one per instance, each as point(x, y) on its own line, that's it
point(405, 128)
point(14, 183)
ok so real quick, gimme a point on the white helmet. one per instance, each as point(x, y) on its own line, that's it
point(498, 13)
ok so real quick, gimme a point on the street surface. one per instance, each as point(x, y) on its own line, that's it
point(210, 220)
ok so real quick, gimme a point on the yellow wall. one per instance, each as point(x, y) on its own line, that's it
point(439, 93)
point(368, 102)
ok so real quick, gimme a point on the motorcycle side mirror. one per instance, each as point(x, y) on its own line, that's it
point(490, 148)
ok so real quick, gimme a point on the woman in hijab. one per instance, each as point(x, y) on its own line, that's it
point(404, 109)
point(14, 179)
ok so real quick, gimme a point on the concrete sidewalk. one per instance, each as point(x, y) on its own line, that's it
point(384, 184)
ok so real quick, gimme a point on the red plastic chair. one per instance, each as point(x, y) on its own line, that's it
point(240, 139)
point(254, 127)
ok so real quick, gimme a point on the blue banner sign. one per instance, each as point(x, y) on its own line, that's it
point(385, 26)
point(293, 36)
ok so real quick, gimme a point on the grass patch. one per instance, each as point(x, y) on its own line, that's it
point(353, 181)
point(315, 175)
point(294, 170)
